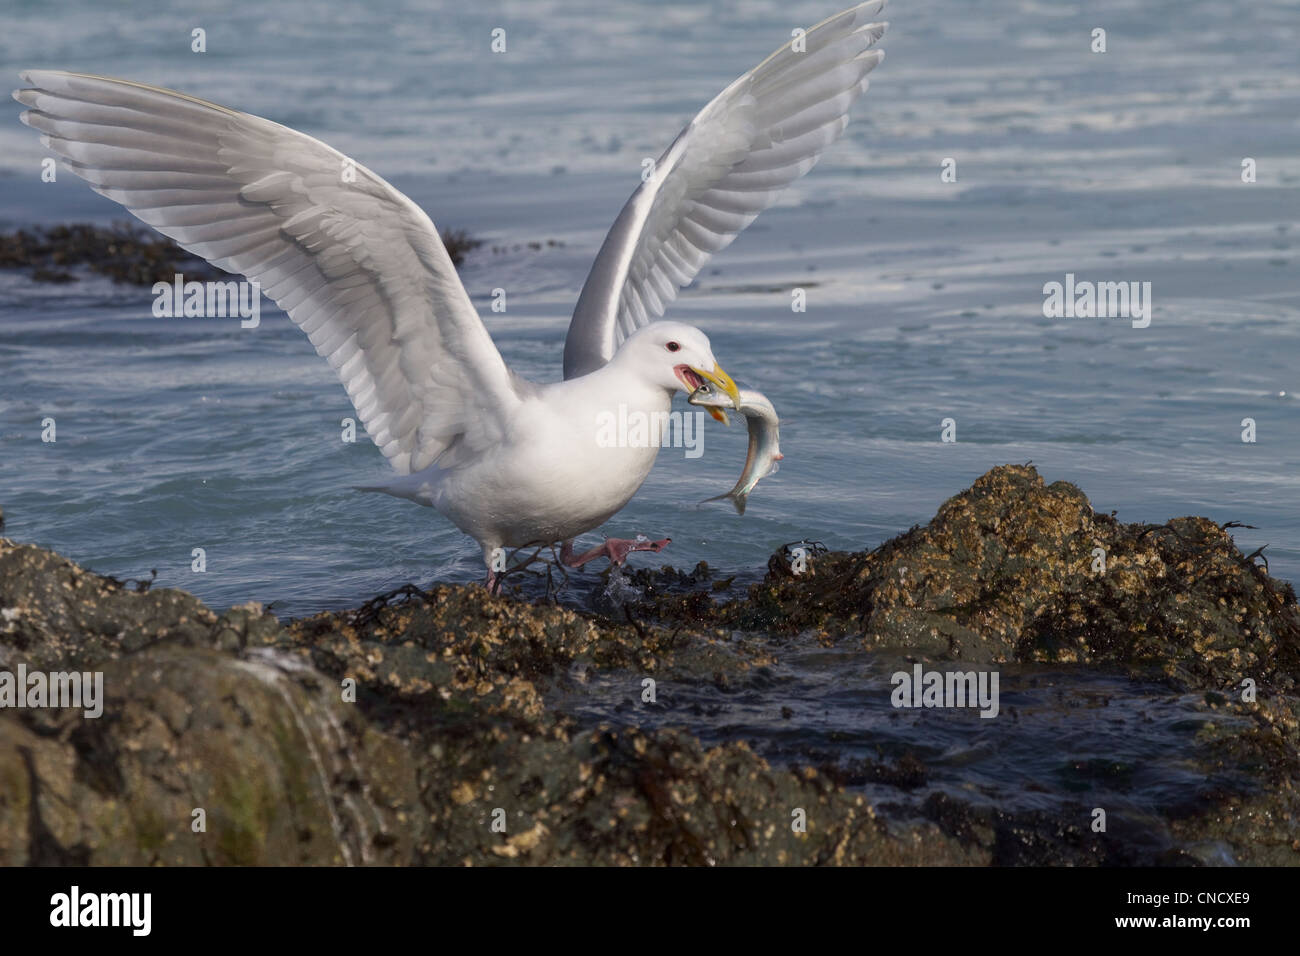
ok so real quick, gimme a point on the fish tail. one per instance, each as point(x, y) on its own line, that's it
point(738, 500)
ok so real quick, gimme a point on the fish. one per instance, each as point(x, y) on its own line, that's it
point(764, 437)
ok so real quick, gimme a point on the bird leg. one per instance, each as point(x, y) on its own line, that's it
point(494, 580)
point(551, 590)
point(615, 549)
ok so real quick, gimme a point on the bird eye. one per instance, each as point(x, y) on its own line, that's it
point(673, 346)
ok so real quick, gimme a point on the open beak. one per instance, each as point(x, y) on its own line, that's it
point(719, 378)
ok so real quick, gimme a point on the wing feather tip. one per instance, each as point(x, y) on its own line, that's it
point(874, 56)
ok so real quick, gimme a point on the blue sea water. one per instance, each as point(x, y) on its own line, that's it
point(924, 298)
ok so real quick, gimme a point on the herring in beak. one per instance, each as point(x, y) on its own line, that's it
point(693, 378)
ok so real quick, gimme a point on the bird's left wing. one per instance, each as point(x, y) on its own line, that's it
point(731, 162)
point(357, 265)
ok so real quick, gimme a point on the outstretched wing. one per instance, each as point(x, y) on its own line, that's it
point(731, 162)
point(356, 265)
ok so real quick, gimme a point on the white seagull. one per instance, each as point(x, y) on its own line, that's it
point(362, 270)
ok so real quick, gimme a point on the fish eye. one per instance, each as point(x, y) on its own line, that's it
point(672, 346)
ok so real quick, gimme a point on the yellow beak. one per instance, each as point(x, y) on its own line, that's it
point(721, 379)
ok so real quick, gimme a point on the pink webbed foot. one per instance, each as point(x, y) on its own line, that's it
point(615, 549)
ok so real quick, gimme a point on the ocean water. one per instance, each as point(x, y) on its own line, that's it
point(924, 297)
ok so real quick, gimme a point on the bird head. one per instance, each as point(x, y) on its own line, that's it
point(677, 356)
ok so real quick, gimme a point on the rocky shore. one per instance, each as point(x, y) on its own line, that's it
point(425, 728)
point(128, 253)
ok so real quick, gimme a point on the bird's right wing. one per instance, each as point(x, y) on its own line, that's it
point(731, 162)
point(356, 265)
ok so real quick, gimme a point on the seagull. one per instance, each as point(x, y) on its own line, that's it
point(362, 270)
